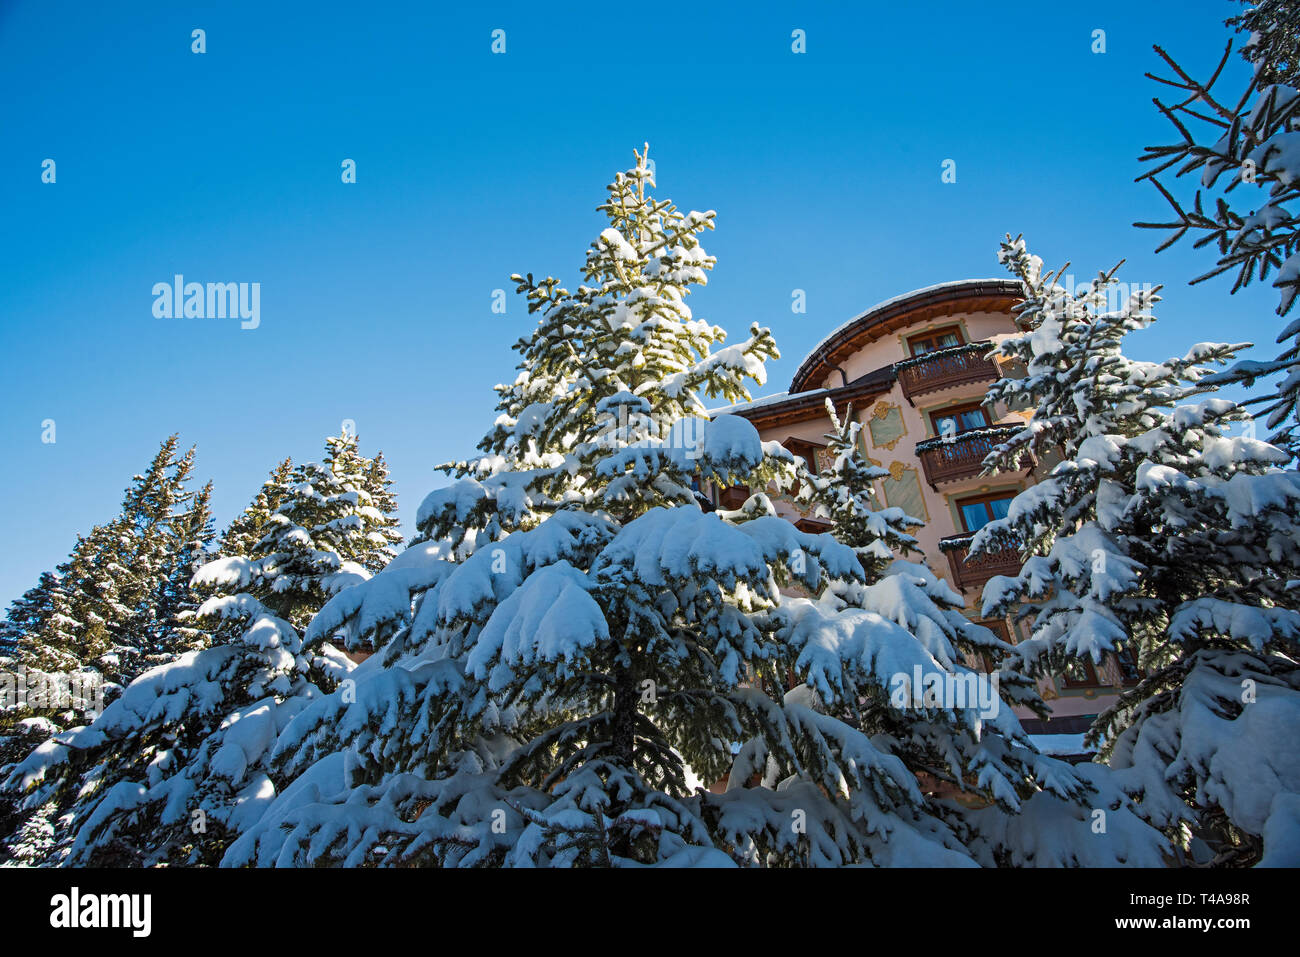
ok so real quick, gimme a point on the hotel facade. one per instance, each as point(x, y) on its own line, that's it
point(913, 370)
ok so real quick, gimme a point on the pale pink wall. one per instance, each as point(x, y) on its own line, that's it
point(940, 519)
point(893, 347)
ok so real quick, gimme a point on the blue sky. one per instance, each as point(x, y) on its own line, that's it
point(824, 169)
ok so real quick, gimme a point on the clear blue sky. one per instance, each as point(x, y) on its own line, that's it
point(824, 169)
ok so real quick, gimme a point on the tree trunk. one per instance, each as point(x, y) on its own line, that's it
point(625, 711)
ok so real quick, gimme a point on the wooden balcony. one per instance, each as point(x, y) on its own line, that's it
point(734, 497)
point(950, 458)
point(945, 368)
point(973, 572)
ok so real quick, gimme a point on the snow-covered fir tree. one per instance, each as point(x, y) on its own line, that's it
point(50, 647)
point(571, 645)
point(844, 494)
point(174, 630)
point(1162, 536)
point(146, 548)
point(121, 587)
point(324, 533)
point(43, 613)
point(43, 610)
point(113, 607)
point(1272, 46)
point(1245, 145)
point(242, 535)
point(90, 580)
point(175, 768)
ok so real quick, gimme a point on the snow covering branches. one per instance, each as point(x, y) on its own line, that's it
point(843, 494)
point(620, 363)
point(577, 660)
point(177, 767)
point(324, 533)
point(1245, 145)
point(572, 646)
point(1162, 537)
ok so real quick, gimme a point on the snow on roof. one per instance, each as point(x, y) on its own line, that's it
point(843, 327)
point(760, 403)
point(885, 303)
point(892, 300)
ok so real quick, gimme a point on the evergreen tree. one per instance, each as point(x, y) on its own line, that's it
point(323, 533)
point(175, 768)
point(570, 635)
point(91, 579)
point(161, 774)
point(112, 609)
point(384, 532)
point(243, 534)
point(175, 630)
point(1161, 536)
point(148, 549)
point(1272, 47)
point(42, 610)
point(38, 696)
point(1243, 144)
point(844, 494)
point(108, 604)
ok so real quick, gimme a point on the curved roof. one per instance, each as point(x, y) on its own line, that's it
point(962, 295)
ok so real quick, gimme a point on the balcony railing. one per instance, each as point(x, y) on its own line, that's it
point(945, 368)
point(950, 458)
point(733, 497)
point(973, 571)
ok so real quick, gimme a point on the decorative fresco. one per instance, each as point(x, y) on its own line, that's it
point(902, 489)
point(886, 425)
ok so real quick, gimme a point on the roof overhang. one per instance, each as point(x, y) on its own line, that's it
point(913, 308)
point(812, 405)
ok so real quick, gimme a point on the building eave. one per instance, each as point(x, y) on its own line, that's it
point(912, 308)
point(809, 405)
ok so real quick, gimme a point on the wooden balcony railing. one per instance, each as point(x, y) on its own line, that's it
point(950, 458)
point(973, 571)
point(734, 497)
point(945, 368)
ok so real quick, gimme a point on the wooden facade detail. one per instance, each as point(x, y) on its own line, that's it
point(945, 369)
point(960, 456)
point(973, 571)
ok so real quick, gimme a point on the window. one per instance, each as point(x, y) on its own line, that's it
point(814, 456)
point(734, 497)
point(1080, 673)
point(999, 628)
point(1129, 672)
point(1083, 674)
point(944, 338)
point(978, 512)
point(958, 419)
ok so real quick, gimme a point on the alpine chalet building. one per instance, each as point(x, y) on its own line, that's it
point(914, 371)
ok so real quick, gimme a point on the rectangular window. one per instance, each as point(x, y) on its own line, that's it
point(958, 419)
point(1080, 673)
point(1129, 672)
point(944, 338)
point(814, 456)
point(999, 628)
point(978, 512)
